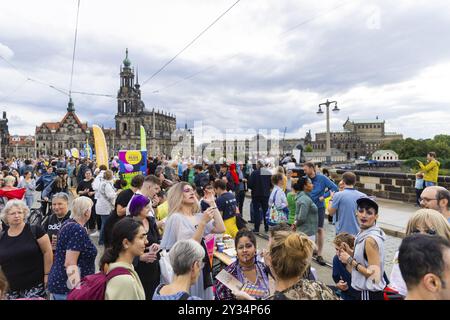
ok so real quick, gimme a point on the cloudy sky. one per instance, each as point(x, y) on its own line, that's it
point(265, 65)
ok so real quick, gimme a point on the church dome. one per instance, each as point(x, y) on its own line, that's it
point(126, 61)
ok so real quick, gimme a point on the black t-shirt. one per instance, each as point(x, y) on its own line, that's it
point(53, 224)
point(227, 204)
point(150, 273)
point(21, 258)
point(86, 185)
point(123, 199)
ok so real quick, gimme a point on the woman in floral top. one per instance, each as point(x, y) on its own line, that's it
point(290, 255)
point(246, 269)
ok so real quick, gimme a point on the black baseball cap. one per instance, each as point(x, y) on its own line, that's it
point(367, 201)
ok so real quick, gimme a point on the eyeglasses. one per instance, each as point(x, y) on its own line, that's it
point(428, 231)
point(368, 211)
point(426, 199)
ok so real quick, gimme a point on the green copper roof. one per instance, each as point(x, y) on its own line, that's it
point(126, 61)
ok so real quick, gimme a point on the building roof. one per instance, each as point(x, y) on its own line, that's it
point(21, 140)
point(366, 121)
point(56, 125)
point(380, 153)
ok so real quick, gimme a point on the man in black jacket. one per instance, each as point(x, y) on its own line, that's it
point(260, 184)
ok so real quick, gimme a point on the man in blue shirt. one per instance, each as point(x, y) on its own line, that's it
point(322, 188)
point(343, 206)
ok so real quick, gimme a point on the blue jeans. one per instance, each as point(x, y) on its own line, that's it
point(29, 200)
point(101, 240)
point(57, 296)
point(429, 184)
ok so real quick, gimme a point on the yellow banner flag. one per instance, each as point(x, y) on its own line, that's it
point(143, 139)
point(101, 150)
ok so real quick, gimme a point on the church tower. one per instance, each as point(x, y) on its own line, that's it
point(129, 103)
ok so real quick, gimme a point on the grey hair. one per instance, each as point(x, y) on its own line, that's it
point(80, 205)
point(9, 180)
point(61, 195)
point(14, 203)
point(183, 255)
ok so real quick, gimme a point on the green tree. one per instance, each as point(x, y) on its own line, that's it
point(309, 148)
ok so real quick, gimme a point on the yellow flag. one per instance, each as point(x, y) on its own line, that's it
point(101, 150)
point(143, 139)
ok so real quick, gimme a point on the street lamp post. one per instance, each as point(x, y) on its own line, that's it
point(336, 109)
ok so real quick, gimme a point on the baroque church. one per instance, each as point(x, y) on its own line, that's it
point(52, 138)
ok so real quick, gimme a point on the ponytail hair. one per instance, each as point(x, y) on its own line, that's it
point(127, 228)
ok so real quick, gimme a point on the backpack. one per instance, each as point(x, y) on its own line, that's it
point(93, 287)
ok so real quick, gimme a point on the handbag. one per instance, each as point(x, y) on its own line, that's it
point(165, 267)
point(275, 216)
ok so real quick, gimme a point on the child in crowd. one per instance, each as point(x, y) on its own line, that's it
point(341, 275)
point(419, 187)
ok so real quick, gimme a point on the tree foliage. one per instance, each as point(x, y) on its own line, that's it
point(309, 148)
point(411, 148)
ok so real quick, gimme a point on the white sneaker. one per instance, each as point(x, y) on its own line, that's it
point(95, 234)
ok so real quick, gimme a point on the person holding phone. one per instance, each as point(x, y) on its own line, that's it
point(185, 221)
point(147, 265)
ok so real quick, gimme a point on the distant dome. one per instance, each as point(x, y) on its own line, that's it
point(126, 61)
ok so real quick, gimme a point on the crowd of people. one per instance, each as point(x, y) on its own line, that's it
point(148, 237)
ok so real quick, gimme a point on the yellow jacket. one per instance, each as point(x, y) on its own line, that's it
point(431, 170)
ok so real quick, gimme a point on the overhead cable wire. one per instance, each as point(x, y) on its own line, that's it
point(326, 12)
point(189, 44)
point(6, 96)
point(74, 49)
point(33, 79)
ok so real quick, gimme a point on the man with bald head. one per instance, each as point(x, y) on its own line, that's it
point(437, 198)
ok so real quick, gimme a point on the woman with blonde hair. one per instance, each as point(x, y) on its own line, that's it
point(25, 253)
point(289, 257)
point(281, 171)
point(425, 221)
point(186, 221)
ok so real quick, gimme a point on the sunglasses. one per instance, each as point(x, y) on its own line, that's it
point(368, 211)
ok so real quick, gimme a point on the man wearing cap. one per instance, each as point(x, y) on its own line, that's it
point(259, 183)
point(367, 259)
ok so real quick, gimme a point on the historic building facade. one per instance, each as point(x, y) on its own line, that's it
point(131, 114)
point(360, 138)
point(21, 146)
point(52, 138)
